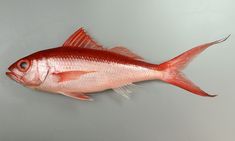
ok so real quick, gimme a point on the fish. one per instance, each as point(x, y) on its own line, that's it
point(81, 67)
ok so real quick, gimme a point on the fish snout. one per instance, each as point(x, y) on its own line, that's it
point(13, 76)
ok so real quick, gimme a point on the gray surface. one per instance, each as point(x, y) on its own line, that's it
point(157, 30)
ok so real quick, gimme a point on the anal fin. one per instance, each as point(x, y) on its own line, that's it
point(125, 90)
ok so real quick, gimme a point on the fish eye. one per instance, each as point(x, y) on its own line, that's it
point(23, 65)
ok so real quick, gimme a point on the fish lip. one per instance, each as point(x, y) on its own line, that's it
point(13, 76)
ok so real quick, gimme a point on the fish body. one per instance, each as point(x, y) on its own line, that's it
point(81, 66)
point(91, 70)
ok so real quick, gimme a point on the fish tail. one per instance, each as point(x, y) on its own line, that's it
point(172, 69)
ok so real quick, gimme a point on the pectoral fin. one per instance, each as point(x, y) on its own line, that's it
point(70, 75)
point(78, 95)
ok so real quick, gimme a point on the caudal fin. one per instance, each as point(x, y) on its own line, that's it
point(172, 69)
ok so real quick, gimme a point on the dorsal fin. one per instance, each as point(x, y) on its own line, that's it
point(81, 39)
point(126, 52)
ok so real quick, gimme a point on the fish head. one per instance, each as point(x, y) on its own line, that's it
point(28, 71)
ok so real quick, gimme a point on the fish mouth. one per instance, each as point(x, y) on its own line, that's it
point(13, 76)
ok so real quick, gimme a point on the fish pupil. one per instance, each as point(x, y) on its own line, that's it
point(23, 65)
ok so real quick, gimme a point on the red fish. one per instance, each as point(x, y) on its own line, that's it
point(80, 66)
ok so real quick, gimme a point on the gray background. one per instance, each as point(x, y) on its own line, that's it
point(155, 29)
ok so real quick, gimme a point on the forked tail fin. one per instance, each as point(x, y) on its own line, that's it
point(172, 69)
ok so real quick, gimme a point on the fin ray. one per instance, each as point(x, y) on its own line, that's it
point(81, 39)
